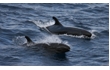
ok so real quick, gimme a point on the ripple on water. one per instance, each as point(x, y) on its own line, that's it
point(21, 19)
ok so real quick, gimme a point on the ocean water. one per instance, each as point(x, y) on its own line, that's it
point(18, 20)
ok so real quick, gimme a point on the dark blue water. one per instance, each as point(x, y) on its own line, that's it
point(17, 20)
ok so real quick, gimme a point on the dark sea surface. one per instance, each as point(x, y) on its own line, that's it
point(18, 20)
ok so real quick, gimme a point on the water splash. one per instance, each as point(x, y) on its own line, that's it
point(19, 40)
point(93, 34)
point(40, 23)
point(51, 39)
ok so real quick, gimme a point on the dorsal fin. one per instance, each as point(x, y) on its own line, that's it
point(56, 21)
point(28, 39)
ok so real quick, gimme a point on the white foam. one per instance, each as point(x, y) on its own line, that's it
point(81, 36)
point(19, 40)
point(93, 35)
point(51, 39)
point(42, 24)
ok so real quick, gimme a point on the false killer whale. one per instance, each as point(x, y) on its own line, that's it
point(58, 28)
point(52, 47)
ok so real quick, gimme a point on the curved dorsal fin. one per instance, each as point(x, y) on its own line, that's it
point(56, 21)
point(28, 39)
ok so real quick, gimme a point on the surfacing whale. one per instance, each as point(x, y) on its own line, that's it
point(58, 28)
point(53, 47)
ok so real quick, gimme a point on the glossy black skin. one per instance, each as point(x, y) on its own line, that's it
point(52, 47)
point(58, 28)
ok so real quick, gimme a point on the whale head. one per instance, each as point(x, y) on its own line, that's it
point(58, 47)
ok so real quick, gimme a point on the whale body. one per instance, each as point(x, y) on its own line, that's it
point(52, 47)
point(58, 28)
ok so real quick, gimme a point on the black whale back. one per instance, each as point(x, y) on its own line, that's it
point(51, 47)
point(58, 28)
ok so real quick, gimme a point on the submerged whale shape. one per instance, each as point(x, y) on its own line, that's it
point(58, 28)
point(53, 47)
